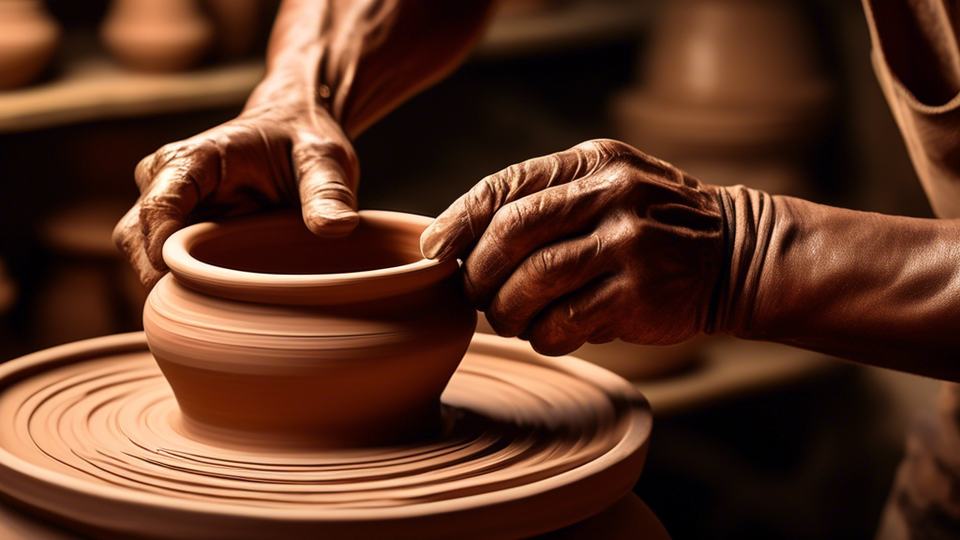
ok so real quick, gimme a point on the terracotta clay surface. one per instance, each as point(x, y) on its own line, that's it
point(269, 334)
point(92, 435)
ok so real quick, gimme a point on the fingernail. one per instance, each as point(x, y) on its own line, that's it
point(330, 218)
point(432, 244)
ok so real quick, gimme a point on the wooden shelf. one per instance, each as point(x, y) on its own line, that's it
point(96, 88)
point(93, 87)
point(569, 25)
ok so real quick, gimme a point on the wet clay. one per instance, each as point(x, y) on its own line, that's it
point(93, 435)
point(271, 335)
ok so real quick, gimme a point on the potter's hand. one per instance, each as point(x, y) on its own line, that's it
point(334, 67)
point(588, 245)
point(267, 156)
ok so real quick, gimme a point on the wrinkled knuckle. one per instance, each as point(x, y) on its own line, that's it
point(122, 237)
point(143, 174)
point(483, 197)
point(172, 151)
point(513, 216)
point(608, 147)
point(543, 263)
point(325, 153)
point(593, 145)
point(154, 209)
point(332, 191)
point(306, 155)
point(498, 183)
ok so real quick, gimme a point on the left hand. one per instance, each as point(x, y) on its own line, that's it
point(283, 152)
point(587, 245)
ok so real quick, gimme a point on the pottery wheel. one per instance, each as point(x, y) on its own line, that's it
point(90, 434)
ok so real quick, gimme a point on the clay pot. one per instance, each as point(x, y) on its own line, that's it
point(157, 35)
point(733, 91)
point(734, 52)
point(28, 39)
point(269, 334)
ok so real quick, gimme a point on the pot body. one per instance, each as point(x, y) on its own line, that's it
point(344, 371)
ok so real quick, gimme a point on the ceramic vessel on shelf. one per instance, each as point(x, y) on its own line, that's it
point(270, 334)
point(239, 25)
point(92, 289)
point(732, 89)
point(28, 39)
point(157, 35)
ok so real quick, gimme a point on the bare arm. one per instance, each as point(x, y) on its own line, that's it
point(882, 290)
point(602, 241)
point(362, 58)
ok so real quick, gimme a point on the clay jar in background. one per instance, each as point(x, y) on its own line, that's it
point(271, 335)
point(90, 290)
point(732, 91)
point(239, 25)
point(157, 35)
point(28, 39)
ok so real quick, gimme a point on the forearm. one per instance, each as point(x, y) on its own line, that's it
point(359, 59)
point(883, 290)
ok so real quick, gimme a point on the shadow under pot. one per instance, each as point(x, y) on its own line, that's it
point(270, 335)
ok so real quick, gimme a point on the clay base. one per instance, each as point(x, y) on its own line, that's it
point(92, 434)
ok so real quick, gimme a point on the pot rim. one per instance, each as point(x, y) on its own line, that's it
point(297, 288)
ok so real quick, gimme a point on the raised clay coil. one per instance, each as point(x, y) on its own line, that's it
point(92, 437)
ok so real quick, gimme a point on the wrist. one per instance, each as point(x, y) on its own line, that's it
point(289, 87)
point(748, 222)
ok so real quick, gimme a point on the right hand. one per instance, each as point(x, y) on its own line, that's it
point(594, 243)
point(269, 155)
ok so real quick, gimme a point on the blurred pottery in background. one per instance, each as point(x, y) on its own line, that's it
point(632, 362)
point(8, 291)
point(268, 333)
point(525, 7)
point(157, 35)
point(239, 26)
point(732, 90)
point(91, 289)
point(28, 40)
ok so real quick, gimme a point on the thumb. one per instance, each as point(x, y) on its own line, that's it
point(327, 176)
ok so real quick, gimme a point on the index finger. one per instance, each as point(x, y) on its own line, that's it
point(465, 220)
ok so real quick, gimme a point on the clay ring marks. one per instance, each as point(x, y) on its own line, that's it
point(512, 428)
